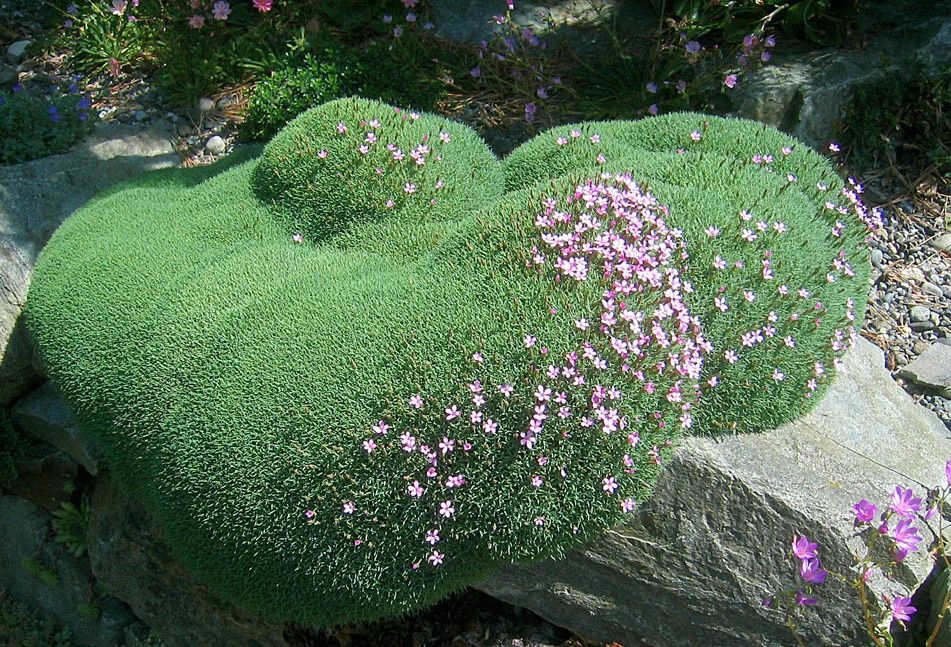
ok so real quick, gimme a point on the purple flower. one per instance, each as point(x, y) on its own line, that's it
point(804, 601)
point(864, 511)
point(221, 10)
point(530, 109)
point(905, 536)
point(397, 31)
point(692, 47)
point(475, 72)
point(947, 472)
point(902, 609)
point(811, 571)
point(904, 502)
point(803, 548)
point(653, 109)
point(542, 92)
point(54, 115)
point(730, 81)
point(410, 17)
point(651, 87)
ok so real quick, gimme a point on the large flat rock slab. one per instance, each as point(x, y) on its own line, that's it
point(35, 198)
point(693, 565)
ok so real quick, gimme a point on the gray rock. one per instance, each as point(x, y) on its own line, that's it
point(226, 101)
point(44, 415)
point(7, 73)
point(932, 369)
point(130, 558)
point(41, 575)
point(942, 243)
point(141, 115)
point(922, 326)
point(692, 566)
point(206, 105)
point(44, 474)
point(937, 52)
point(34, 199)
point(215, 145)
point(17, 50)
point(920, 313)
point(806, 94)
point(877, 256)
point(930, 288)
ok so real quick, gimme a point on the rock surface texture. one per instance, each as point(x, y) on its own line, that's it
point(805, 95)
point(34, 199)
point(45, 416)
point(932, 369)
point(40, 574)
point(130, 559)
point(710, 544)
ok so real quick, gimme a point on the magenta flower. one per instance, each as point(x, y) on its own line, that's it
point(804, 601)
point(906, 537)
point(904, 502)
point(811, 571)
point(263, 5)
point(730, 81)
point(221, 10)
point(415, 490)
point(864, 511)
point(902, 609)
point(803, 548)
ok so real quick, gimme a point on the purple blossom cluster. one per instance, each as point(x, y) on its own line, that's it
point(897, 529)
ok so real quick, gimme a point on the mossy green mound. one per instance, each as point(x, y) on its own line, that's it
point(778, 262)
point(352, 422)
point(356, 164)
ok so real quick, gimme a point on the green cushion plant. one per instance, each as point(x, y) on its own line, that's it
point(351, 374)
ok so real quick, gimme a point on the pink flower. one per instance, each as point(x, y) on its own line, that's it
point(446, 509)
point(369, 446)
point(348, 507)
point(803, 548)
point(221, 10)
point(263, 5)
point(435, 558)
point(609, 484)
point(118, 7)
point(696, 135)
point(416, 401)
point(381, 428)
point(452, 412)
point(902, 609)
point(196, 22)
point(730, 81)
point(415, 490)
point(432, 537)
point(904, 502)
point(627, 505)
point(446, 445)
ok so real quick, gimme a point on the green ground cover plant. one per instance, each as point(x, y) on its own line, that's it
point(19, 628)
point(371, 361)
point(35, 123)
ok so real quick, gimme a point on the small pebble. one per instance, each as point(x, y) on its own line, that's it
point(942, 243)
point(922, 326)
point(206, 105)
point(877, 257)
point(920, 313)
point(141, 115)
point(215, 145)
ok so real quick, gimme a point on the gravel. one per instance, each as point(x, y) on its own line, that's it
point(910, 300)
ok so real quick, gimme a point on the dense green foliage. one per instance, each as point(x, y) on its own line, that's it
point(34, 125)
point(19, 628)
point(340, 410)
point(329, 72)
point(905, 122)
